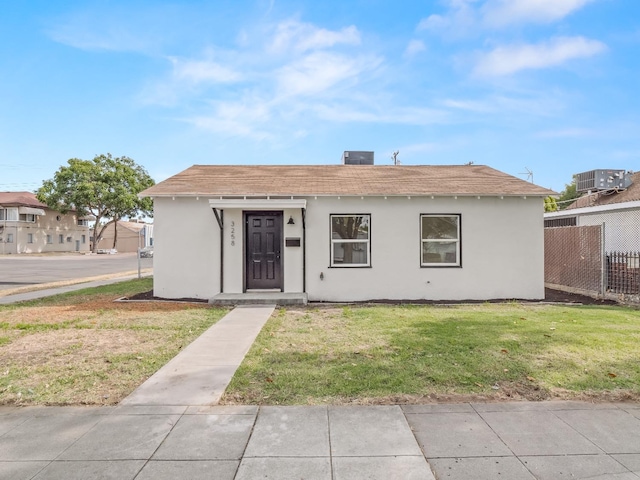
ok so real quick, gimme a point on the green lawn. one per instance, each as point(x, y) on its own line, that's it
point(386, 354)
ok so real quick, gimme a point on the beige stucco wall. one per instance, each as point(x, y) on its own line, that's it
point(52, 223)
point(128, 240)
point(502, 250)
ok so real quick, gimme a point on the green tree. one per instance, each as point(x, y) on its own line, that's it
point(567, 195)
point(106, 187)
point(550, 204)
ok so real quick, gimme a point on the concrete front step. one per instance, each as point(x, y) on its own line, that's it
point(259, 298)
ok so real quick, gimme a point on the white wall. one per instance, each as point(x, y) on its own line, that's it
point(621, 228)
point(186, 259)
point(502, 250)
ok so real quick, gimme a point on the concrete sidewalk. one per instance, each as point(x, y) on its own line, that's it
point(48, 292)
point(520, 440)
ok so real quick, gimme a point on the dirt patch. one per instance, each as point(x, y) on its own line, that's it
point(558, 296)
point(149, 296)
point(94, 351)
point(550, 295)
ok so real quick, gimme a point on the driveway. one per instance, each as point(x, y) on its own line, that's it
point(24, 270)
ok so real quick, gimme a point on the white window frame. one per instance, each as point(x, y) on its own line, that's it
point(335, 241)
point(9, 237)
point(29, 237)
point(27, 217)
point(458, 240)
point(9, 214)
point(60, 238)
point(49, 239)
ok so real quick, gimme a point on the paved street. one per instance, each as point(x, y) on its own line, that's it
point(24, 270)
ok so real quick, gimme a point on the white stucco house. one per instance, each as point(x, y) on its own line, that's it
point(349, 232)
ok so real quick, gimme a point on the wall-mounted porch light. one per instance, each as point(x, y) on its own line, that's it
point(291, 222)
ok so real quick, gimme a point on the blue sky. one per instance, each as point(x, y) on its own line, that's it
point(552, 86)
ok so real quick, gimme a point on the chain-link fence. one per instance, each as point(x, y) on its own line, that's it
point(599, 257)
point(573, 258)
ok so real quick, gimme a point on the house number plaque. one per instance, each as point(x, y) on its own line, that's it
point(233, 233)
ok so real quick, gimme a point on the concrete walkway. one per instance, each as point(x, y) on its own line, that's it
point(200, 373)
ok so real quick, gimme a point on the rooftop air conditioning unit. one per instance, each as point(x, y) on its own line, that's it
point(596, 180)
point(357, 158)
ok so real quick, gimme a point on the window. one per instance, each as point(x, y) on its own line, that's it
point(560, 222)
point(9, 237)
point(9, 214)
point(83, 222)
point(68, 239)
point(29, 237)
point(49, 239)
point(350, 240)
point(60, 238)
point(440, 238)
point(27, 217)
point(84, 239)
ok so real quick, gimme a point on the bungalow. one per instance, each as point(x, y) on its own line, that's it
point(29, 226)
point(349, 232)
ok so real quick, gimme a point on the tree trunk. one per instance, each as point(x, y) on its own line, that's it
point(94, 245)
point(115, 234)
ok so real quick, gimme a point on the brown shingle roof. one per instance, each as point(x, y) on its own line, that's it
point(303, 180)
point(18, 199)
point(631, 194)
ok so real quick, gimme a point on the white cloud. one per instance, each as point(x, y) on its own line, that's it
point(198, 71)
point(433, 22)
point(510, 59)
point(460, 16)
point(414, 47)
point(243, 119)
point(466, 17)
point(320, 71)
point(498, 13)
point(301, 37)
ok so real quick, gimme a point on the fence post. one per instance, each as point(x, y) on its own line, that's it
point(603, 260)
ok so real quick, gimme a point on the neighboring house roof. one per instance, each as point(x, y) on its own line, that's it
point(631, 194)
point(302, 180)
point(19, 199)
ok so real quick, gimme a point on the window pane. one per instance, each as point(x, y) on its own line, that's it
point(350, 227)
point(439, 227)
point(350, 253)
point(440, 252)
point(11, 214)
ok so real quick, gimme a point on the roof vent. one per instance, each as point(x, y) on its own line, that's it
point(595, 180)
point(357, 158)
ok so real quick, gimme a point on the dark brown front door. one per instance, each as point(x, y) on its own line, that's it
point(264, 246)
